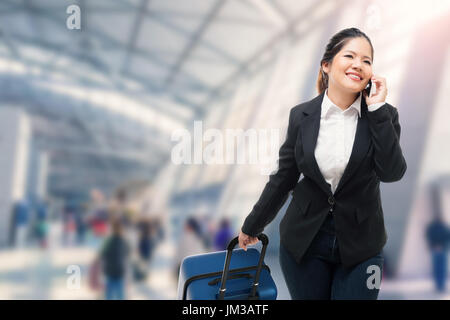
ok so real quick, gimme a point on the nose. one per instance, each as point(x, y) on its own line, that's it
point(357, 64)
point(357, 67)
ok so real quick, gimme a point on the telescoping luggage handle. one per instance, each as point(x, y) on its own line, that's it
point(265, 241)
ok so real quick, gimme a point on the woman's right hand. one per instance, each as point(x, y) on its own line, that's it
point(245, 239)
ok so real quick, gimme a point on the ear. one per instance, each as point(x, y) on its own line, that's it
point(325, 67)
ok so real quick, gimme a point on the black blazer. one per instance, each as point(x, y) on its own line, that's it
point(376, 156)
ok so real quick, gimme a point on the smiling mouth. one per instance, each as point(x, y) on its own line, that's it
point(353, 77)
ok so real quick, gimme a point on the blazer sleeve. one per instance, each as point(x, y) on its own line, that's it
point(277, 188)
point(390, 165)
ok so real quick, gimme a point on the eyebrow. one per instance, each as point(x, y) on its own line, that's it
point(355, 54)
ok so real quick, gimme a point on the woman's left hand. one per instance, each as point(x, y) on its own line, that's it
point(381, 91)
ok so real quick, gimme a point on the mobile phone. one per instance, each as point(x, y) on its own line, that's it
point(368, 88)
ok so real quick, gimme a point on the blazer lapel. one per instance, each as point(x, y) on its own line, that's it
point(309, 127)
point(360, 146)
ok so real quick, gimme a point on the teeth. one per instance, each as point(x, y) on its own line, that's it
point(354, 77)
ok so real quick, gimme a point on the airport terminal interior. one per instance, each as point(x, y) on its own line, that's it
point(125, 115)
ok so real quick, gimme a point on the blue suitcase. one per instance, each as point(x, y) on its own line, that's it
point(219, 276)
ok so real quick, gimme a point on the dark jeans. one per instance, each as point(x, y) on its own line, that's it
point(321, 276)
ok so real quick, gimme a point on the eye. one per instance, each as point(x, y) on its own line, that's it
point(350, 56)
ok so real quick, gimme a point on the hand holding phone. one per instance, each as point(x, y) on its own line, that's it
point(379, 90)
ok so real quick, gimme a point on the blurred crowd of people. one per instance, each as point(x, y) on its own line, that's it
point(126, 239)
point(120, 260)
point(119, 264)
point(29, 223)
point(122, 234)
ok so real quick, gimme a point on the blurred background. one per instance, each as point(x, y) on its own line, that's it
point(93, 94)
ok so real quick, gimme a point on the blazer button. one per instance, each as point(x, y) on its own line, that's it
point(331, 200)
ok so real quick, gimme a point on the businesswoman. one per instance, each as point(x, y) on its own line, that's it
point(344, 142)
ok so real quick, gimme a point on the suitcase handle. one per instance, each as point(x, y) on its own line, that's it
point(233, 276)
point(265, 241)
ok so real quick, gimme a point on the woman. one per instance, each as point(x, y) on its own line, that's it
point(344, 142)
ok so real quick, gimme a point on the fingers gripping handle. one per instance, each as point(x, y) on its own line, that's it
point(265, 241)
point(262, 237)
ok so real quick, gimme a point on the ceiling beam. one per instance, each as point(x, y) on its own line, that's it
point(134, 34)
point(289, 30)
point(194, 40)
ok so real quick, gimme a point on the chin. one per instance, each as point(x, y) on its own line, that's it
point(353, 89)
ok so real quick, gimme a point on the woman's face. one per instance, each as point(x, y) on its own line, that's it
point(355, 57)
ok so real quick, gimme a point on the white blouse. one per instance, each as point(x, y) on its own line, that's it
point(336, 136)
